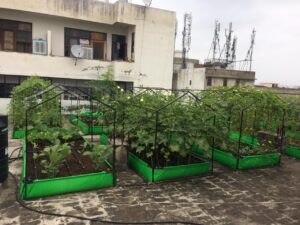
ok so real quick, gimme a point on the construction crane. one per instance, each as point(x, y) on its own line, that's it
point(186, 38)
point(247, 63)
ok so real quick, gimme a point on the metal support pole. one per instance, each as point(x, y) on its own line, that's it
point(213, 149)
point(114, 149)
point(253, 127)
point(240, 139)
point(60, 109)
point(155, 146)
point(282, 135)
point(26, 130)
point(92, 122)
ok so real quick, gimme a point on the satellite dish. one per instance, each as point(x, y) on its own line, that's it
point(147, 2)
point(77, 51)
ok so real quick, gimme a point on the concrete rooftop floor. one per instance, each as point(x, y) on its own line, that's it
point(255, 197)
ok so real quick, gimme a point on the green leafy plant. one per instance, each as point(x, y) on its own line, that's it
point(99, 154)
point(52, 135)
point(25, 96)
point(292, 121)
point(181, 124)
point(52, 158)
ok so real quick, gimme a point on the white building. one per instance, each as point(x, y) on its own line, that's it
point(36, 36)
point(198, 77)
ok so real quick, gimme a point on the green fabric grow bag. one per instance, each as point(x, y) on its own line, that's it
point(246, 162)
point(167, 173)
point(292, 151)
point(86, 130)
point(18, 134)
point(63, 185)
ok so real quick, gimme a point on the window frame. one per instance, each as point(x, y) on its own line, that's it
point(15, 31)
point(67, 38)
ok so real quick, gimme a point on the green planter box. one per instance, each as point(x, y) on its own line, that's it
point(86, 130)
point(292, 151)
point(167, 173)
point(246, 162)
point(18, 134)
point(63, 185)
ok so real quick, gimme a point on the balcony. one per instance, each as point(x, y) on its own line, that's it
point(12, 63)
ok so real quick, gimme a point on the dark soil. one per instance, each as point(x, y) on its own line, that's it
point(160, 162)
point(75, 164)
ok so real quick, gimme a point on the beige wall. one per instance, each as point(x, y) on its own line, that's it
point(195, 75)
point(154, 37)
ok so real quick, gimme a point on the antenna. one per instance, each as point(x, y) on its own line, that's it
point(223, 61)
point(249, 55)
point(77, 51)
point(147, 2)
point(186, 37)
point(215, 46)
point(233, 52)
point(228, 42)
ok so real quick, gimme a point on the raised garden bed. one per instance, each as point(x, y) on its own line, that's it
point(245, 161)
point(86, 128)
point(144, 169)
point(292, 151)
point(292, 147)
point(78, 175)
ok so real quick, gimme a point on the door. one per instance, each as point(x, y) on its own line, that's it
point(99, 49)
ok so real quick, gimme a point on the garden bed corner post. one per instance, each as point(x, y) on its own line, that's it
point(213, 148)
point(254, 127)
point(282, 134)
point(114, 149)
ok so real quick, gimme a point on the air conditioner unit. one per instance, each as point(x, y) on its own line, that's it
point(39, 47)
point(88, 52)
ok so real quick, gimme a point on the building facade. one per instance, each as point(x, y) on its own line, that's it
point(198, 77)
point(36, 38)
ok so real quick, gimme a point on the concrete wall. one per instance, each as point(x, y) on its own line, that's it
point(230, 74)
point(154, 37)
point(191, 78)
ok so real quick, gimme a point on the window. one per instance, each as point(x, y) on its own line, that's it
point(15, 36)
point(126, 86)
point(119, 47)
point(225, 82)
point(209, 81)
point(7, 83)
point(94, 40)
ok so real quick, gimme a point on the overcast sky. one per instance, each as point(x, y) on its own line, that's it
point(277, 22)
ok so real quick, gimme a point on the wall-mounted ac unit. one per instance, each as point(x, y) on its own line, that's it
point(39, 47)
point(88, 52)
